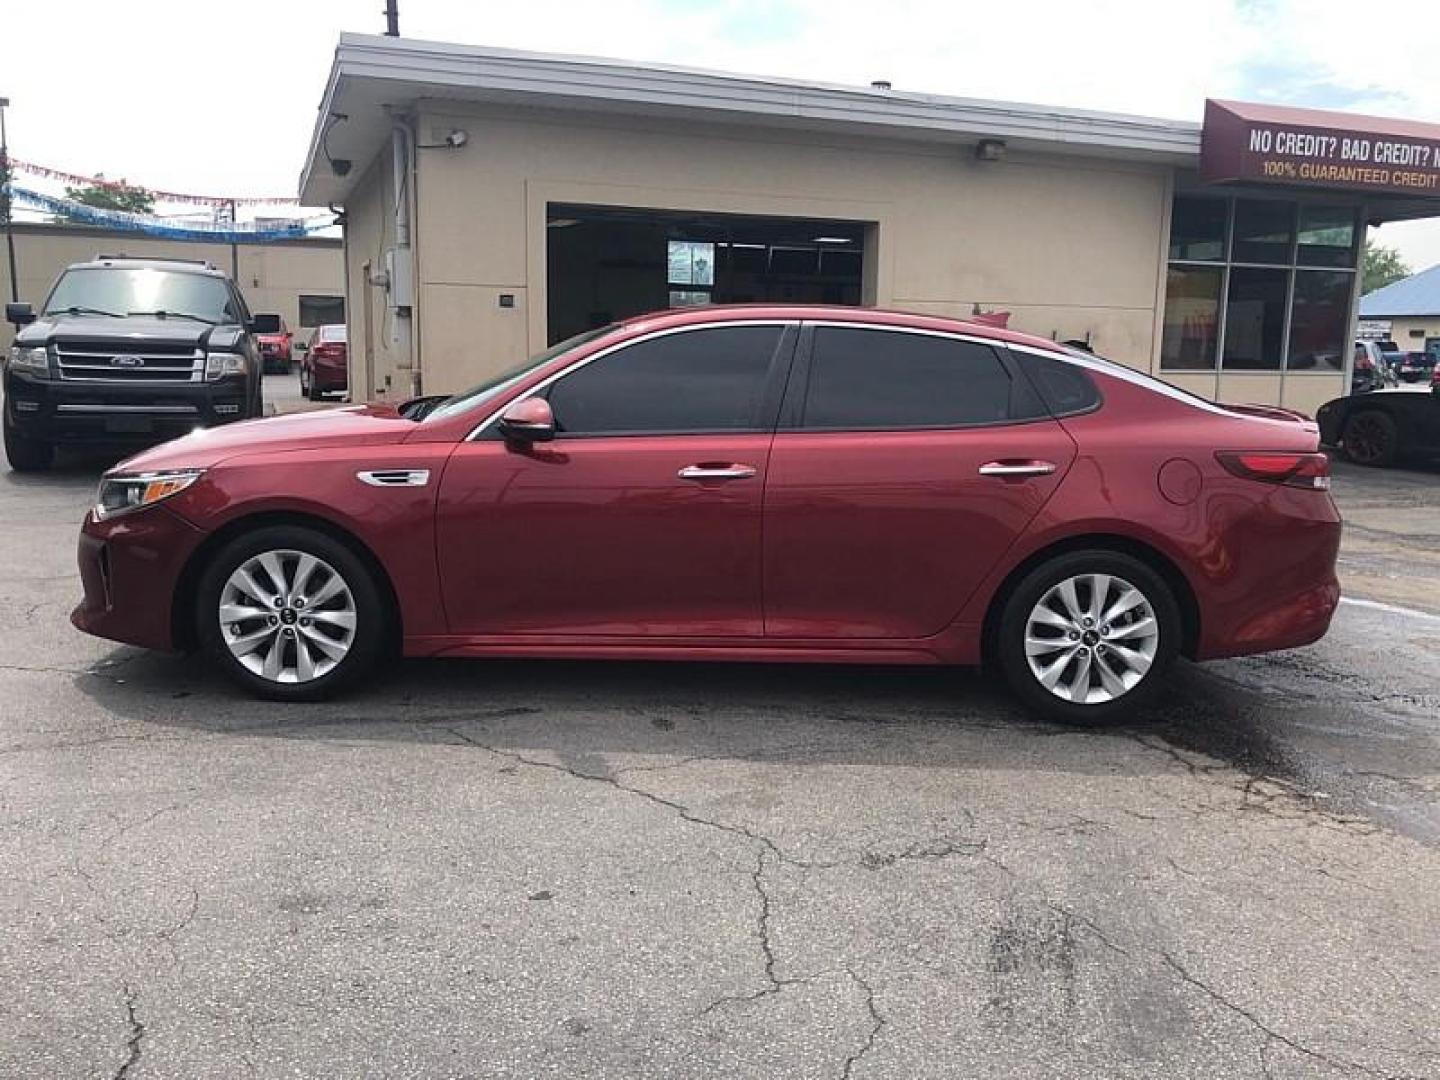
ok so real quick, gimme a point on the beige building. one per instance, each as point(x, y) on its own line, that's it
point(303, 281)
point(1406, 312)
point(497, 202)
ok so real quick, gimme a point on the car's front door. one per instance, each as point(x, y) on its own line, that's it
point(642, 517)
point(905, 465)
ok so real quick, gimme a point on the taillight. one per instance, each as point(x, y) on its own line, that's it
point(1310, 471)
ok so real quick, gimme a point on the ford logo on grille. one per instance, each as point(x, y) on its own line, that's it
point(127, 360)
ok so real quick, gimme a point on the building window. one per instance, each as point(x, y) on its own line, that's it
point(321, 310)
point(1258, 285)
point(1192, 317)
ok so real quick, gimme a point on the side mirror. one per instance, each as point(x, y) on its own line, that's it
point(19, 314)
point(530, 420)
point(265, 324)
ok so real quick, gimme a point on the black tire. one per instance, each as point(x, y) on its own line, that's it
point(313, 392)
point(1010, 642)
point(26, 455)
point(372, 614)
point(1371, 437)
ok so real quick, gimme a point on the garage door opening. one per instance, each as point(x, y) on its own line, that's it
point(609, 263)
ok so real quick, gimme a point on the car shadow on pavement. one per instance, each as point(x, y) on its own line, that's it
point(924, 717)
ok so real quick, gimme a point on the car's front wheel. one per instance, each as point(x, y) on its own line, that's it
point(1088, 635)
point(290, 613)
point(26, 455)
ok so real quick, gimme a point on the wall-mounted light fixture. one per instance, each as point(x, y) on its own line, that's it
point(990, 150)
point(454, 139)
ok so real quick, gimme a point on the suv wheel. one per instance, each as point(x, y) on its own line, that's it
point(26, 455)
point(290, 614)
point(1088, 636)
point(1371, 438)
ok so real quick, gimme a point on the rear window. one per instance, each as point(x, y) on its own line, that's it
point(332, 333)
point(873, 379)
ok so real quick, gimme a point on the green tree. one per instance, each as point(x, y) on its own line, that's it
point(122, 196)
point(1382, 266)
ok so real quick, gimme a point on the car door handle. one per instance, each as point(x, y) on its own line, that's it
point(1017, 468)
point(716, 472)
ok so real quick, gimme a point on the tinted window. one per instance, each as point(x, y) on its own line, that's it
point(1255, 319)
point(1067, 390)
point(1263, 231)
point(1197, 229)
point(886, 380)
point(696, 380)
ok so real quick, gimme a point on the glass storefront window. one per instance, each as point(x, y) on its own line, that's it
point(1255, 319)
point(1192, 317)
point(1197, 229)
point(1264, 231)
point(1317, 320)
point(1327, 236)
point(1279, 300)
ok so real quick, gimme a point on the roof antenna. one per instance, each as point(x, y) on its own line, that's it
point(392, 19)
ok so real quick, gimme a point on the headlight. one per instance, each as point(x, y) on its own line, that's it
point(120, 494)
point(220, 364)
point(34, 360)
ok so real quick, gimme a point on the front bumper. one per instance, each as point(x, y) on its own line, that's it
point(130, 567)
point(57, 411)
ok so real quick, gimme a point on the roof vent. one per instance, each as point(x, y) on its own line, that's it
point(882, 84)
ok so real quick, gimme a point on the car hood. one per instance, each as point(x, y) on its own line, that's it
point(359, 425)
point(135, 328)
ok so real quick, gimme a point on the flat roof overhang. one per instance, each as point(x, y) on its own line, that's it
point(372, 76)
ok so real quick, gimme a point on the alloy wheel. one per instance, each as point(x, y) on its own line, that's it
point(1366, 439)
point(287, 616)
point(1091, 638)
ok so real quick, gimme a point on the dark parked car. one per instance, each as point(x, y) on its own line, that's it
point(1383, 427)
point(1415, 366)
point(127, 351)
point(757, 483)
point(324, 363)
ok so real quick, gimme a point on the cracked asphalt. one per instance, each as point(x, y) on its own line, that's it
point(625, 870)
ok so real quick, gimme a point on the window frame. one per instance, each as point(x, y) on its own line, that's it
point(1291, 266)
point(770, 398)
point(792, 412)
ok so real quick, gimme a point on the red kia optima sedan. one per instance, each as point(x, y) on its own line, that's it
point(753, 483)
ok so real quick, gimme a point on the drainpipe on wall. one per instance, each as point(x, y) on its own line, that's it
point(399, 260)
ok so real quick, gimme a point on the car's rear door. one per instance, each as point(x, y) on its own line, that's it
point(642, 517)
point(905, 465)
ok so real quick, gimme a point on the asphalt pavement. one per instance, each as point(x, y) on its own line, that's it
point(645, 870)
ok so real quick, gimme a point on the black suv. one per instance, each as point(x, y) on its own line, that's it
point(129, 351)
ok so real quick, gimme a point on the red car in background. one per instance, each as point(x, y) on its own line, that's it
point(324, 363)
point(275, 350)
point(767, 483)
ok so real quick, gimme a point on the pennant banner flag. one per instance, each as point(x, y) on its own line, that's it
point(76, 180)
point(222, 232)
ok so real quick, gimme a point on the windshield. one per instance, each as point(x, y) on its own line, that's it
point(141, 290)
point(503, 380)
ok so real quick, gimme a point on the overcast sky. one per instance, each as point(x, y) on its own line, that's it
point(195, 95)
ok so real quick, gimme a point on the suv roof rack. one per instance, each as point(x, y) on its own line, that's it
point(122, 257)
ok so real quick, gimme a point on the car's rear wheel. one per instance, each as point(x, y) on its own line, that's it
point(1371, 438)
point(290, 613)
point(26, 455)
point(1088, 635)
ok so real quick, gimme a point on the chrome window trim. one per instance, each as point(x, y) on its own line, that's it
point(492, 417)
point(1144, 381)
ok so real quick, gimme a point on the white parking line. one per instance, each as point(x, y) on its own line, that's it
point(1392, 609)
